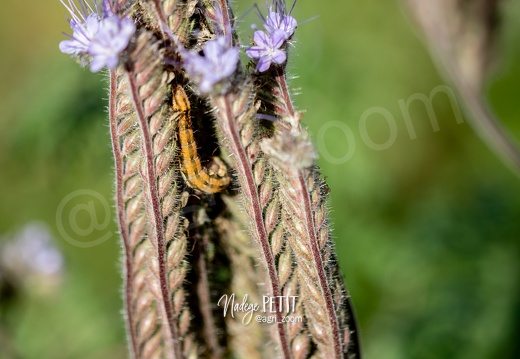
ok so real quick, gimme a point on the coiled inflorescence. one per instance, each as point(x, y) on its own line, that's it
point(196, 170)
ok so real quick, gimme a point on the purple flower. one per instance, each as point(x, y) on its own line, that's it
point(278, 21)
point(219, 62)
point(84, 24)
point(98, 39)
point(267, 49)
point(32, 251)
point(111, 39)
point(81, 36)
point(280, 27)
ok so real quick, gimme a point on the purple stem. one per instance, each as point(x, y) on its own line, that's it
point(123, 227)
point(251, 194)
point(157, 215)
point(311, 230)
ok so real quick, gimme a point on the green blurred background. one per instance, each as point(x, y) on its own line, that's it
point(427, 230)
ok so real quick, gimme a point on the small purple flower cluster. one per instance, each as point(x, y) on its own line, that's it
point(280, 27)
point(219, 62)
point(103, 38)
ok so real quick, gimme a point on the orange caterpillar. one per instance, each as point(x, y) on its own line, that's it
point(208, 180)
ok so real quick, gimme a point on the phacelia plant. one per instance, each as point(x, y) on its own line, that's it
point(221, 208)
